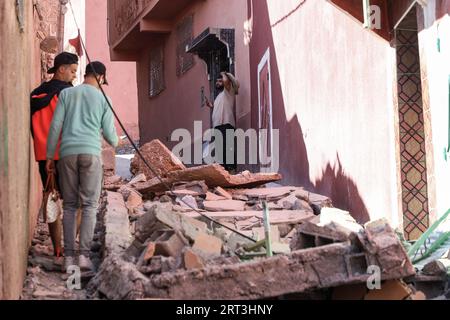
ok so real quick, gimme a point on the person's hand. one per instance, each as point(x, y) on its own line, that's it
point(50, 166)
point(209, 104)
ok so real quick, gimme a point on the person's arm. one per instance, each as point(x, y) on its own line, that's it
point(54, 133)
point(109, 130)
point(56, 127)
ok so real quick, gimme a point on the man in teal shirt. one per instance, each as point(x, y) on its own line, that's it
point(81, 117)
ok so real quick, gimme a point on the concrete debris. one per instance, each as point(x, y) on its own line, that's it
point(208, 245)
point(339, 219)
point(326, 266)
point(134, 200)
point(223, 193)
point(188, 202)
point(109, 161)
point(194, 188)
point(139, 178)
point(177, 256)
point(159, 157)
point(179, 253)
point(117, 232)
point(213, 197)
point(214, 176)
point(224, 205)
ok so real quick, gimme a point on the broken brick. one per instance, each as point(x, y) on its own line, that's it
point(169, 245)
point(209, 245)
point(109, 161)
point(134, 200)
point(192, 260)
point(159, 157)
point(390, 290)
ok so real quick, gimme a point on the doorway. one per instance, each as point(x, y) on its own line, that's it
point(265, 122)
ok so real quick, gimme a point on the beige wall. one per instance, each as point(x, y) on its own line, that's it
point(19, 186)
point(333, 102)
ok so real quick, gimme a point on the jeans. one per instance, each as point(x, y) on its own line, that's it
point(228, 164)
point(80, 181)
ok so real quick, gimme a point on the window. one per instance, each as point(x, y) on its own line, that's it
point(157, 84)
point(185, 60)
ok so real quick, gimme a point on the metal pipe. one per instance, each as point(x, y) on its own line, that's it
point(366, 10)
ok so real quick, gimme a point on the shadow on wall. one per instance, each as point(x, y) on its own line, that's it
point(294, 164)
point(335, 184)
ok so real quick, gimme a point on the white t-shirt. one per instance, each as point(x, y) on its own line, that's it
point(223, 112)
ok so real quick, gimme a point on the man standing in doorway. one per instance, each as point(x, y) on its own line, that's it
point(223, 117)
point(81, 117)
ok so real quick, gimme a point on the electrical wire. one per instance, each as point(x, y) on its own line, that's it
point(138, 152)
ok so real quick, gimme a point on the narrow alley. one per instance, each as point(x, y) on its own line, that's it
point(260, 150)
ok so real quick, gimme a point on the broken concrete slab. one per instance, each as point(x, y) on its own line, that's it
point(276, 217)
point(193, 188)
point(116, 222)
point(311, 269)
point(118, 279)
point(160, 158)
point(187, 202)
point(224, 205)
point(302, 270)
point(214, 176)
point(309, 235)
point(339, 219)
point(269, 194)
point(223, 193)
point(213, 197)
point(259, 233)
point(208, 245)
point(163, 213)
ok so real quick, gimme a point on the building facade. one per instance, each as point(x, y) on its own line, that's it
point(172, 83)
point(31, 33)
point(121, 75)
point(357, 90)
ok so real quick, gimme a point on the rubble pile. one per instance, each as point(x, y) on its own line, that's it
point(173, 250)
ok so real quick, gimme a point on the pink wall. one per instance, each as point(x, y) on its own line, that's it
point(178, 106)
point(332, 102)
point(121, 75)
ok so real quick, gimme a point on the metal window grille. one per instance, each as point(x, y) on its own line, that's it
point(185, 60)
